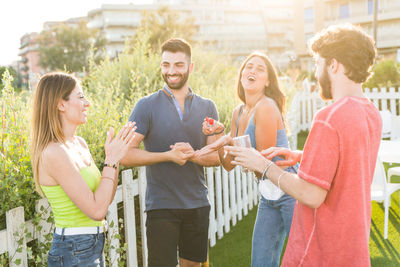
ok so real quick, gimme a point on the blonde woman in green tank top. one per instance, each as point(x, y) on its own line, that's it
point(66, 174)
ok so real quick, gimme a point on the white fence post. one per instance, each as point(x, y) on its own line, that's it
point(238, 192)
point(212, 227)
point(250, 188)
point(375, 99)
point(384, 99)
point(15, 233)
point(142, 202)
point(392, 97)
point(218, 195)
point(232, 196)
point(244, 190)
point(227, 210)
point(128, 196)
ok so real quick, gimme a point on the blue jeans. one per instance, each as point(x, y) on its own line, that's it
point(273, 222)
point(77, 250)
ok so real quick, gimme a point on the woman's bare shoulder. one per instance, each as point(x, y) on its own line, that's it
point(267, 104)
point(55, 152)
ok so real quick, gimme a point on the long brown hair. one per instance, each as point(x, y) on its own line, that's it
point(272, 90)
point(46, 120)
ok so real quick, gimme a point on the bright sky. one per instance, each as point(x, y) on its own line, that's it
point(18, 17)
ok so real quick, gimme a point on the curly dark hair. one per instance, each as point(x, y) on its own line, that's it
point(350, 46)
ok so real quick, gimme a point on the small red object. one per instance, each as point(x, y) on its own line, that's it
point(210, 121)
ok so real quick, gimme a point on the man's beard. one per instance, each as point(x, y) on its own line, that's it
point(180, 84)
point(325, 84)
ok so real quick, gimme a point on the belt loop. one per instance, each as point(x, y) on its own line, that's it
point(62, 234)
point(98, 232)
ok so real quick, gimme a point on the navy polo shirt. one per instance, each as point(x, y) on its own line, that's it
point(169, 185)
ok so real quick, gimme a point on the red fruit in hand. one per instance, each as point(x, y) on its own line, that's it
point(210, 121)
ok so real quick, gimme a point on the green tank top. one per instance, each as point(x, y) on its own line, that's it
point(66, 213)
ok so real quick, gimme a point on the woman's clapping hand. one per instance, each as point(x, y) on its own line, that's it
point(117, 147)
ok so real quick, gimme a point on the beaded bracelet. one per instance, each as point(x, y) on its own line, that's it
point(110, 165)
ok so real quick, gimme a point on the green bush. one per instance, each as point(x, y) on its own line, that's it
point(16, 181)
point(385, 74)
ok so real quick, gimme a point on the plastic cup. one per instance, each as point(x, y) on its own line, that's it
point(242, 141)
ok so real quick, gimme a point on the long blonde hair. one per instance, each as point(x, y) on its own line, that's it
point(46, 120)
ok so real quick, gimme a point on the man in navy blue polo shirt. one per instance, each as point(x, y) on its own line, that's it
point(169, 122)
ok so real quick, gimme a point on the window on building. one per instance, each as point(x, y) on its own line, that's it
point(371, 6)
point(344, 11)
point(309, 15)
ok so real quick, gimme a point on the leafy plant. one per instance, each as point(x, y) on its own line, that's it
point(16, 180)
point(64, 47)
point(385, 74)
point(165, 23)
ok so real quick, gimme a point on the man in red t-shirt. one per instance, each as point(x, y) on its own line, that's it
point(332, 217)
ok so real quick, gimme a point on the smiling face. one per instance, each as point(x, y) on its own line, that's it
point(254, 75)
point(74, 109)
point(175, 69)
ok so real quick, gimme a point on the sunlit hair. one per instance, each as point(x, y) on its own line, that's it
point(350, 46)
point(46, 120)
point(272, 90)
point(175, 45)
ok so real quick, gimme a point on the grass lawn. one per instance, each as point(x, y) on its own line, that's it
point(234, 249)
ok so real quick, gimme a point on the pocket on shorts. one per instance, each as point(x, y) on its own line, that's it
point(85, 243)
point(54, 261)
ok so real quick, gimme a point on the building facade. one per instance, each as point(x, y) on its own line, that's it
point(230, 27)
point(313, 15)
point(29, 64)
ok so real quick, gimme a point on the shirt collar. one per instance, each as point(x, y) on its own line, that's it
point(169, 93)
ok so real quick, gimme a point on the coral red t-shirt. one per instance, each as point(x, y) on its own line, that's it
point(339, 155)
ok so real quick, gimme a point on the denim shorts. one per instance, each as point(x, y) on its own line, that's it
point(77, 250)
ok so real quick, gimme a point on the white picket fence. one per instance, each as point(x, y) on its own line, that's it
point(305, 104)
point(231, 196)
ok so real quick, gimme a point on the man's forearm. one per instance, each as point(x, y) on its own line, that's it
point(208, 160)
point(139, 157)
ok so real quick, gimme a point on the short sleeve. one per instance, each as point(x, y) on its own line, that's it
point(141, 115)
point(321, 155)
